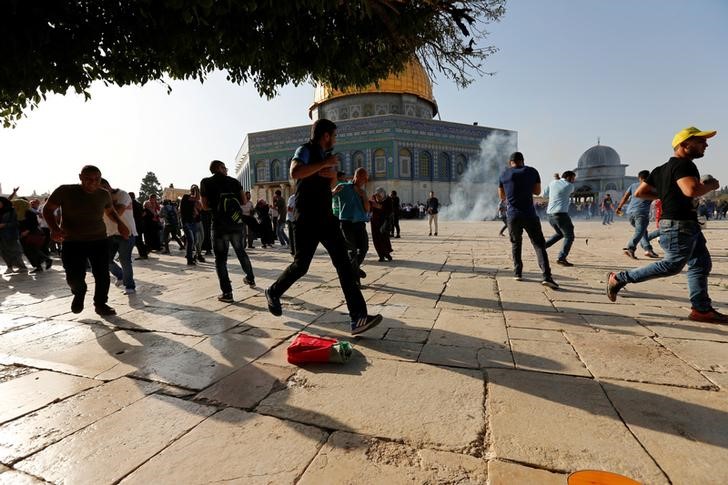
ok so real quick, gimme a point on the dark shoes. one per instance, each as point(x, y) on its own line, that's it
point(191, 262)
point(104, 310)
point(651, 254)
point(274, 304)
point(389, 256)
point(365, 323)
point(200, 258)
point(563, 262)
point(711, 316)
point(77, 303)
point(249, 281)
point(48, 263)
point(226, 298)
point(362, 274)
point(550, 283)
point(613, 286)
point(630, 253)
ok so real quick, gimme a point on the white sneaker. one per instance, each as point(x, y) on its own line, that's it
point(129, 291)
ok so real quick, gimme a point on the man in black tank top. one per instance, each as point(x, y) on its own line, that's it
point(314, 168)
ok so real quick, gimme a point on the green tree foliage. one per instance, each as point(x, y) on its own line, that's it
point(150, 186)
point(54, 46)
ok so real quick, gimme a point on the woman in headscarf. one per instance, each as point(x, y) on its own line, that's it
point(10, 249)
point(381, 207)
point(266, 224)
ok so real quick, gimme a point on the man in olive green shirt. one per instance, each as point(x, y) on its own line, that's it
point(83, 234)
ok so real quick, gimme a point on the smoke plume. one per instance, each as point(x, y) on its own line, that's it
point(475, 198)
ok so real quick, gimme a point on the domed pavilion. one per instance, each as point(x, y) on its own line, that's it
point(600, 171)
point(387, 127)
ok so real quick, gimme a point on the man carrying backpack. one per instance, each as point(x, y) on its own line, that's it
point(224, 196)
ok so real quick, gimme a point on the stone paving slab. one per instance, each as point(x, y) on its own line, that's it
point(35, 431)
point(14, 477)
point(33, 391)
point(505, 473)
point(436, 406)
point(711, 356)
point(639, 359)
point(350, 458)
point(247, 386)
point(546, 356)
point(684, 430)
point(234, 446)
point(527, 425)
point(112, 447)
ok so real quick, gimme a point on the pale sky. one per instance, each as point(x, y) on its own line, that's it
point(630, 72)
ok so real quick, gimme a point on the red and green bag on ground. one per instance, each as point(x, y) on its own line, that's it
point(307, 348)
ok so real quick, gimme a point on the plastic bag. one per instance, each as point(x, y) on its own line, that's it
point(307, 348)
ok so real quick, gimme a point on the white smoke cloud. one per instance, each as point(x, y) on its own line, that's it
point(475, 197)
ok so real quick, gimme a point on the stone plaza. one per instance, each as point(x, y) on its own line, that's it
point(471, 378)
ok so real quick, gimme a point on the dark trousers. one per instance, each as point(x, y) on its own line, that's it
point(563, 229)
point(222, 241)
point(532, 226)
point(395, 226)
point(172, 230)
point(139, 242)
point(308, 235)
point(206, 221)
point(357, 243)
point(74, 257)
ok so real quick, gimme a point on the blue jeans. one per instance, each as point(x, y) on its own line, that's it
point(561, 222)
point(640, 223)
point(683, 243)
point(191, 234)
point(222, 240)
point(118, 244)
point(281, 233)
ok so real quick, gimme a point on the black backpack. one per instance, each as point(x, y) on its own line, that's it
point(229, 211)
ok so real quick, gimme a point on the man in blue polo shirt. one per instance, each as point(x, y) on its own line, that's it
point(559, 194)
point(638, 211)
point(353, 208)
point(518, 184)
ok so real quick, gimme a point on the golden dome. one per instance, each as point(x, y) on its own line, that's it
point(412, 80)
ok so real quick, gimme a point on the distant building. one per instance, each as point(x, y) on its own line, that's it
point(386, 128)
point(600, 171)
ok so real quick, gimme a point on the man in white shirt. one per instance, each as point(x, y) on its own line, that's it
point(559, 193)
point(291, 222)
point(117, 244)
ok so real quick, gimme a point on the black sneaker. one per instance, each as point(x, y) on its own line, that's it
point(362, 274)
point(249, 281)
point(226, 298)
point(365, 323)
point(191, 262)
point(200, 258)
point(274, 304)
point(48, 263)
point(563, 262)
point(77, 303)
point(550, 283)
point(104, 310)
point(613, 286)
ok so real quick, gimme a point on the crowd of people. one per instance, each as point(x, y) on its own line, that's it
point(94, 225)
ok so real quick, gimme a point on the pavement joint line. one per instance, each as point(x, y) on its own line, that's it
point(629, 430)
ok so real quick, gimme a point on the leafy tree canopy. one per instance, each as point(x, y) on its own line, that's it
point(56, 45)
point(150, 186)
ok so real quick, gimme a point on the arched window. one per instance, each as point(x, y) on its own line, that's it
point(261, 171)
point(443, 166)
point(276, 171)
point(461, 164)
point(380, 162)
point(425, 165)
point(358, 160)
point(405, 163)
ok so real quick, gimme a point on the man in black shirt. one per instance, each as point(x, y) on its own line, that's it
point(676, 183)
point(433, 207)
point(314, 169)
point(220, 194)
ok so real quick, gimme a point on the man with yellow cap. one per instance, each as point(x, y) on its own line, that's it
point(677, 183)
